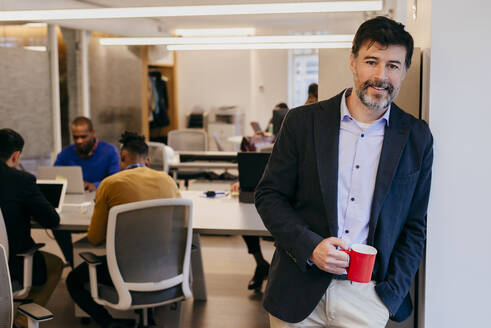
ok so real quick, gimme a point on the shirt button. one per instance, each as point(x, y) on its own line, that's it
point(357, 166)
point(362, 135)
point(346, 231)
point(352, 199)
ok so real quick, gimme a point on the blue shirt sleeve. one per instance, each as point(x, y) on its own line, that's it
point(114, 167)
point(59, 159)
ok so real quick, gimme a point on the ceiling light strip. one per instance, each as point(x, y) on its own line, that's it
point(181, 11)
point(237, 31)
point(229, 40)
point(185, 47)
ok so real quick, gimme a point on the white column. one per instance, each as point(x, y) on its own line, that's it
point(55, 87)
point(83, 42)
point(458, 259)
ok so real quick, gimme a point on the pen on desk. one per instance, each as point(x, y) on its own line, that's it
point(211, 193)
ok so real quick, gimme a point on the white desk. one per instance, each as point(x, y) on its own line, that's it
point(235, 139)
point(221, 216)
point(175, 164)
point(203, 165)
point(225, 216)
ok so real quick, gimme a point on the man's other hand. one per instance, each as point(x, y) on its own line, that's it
point(327, 258)
point(89, 186)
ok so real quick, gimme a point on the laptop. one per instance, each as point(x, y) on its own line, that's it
point(256, 127)
point(54, 191)
point(251, 169)
point(72, 174)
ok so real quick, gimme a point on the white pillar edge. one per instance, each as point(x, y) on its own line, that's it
point(84, 37)
point(55, 87)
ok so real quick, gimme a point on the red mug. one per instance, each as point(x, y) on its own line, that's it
point(361, 261)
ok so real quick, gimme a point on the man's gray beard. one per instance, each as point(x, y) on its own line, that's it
point(373, 104)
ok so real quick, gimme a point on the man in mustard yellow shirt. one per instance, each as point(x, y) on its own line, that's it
point(134, 183)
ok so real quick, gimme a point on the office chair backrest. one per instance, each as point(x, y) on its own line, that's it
point(148, 247)
point(188, 139)
point(4, 239)
point(158, 156)
point(6, 302)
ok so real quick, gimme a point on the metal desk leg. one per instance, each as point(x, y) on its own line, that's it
point(199, 285)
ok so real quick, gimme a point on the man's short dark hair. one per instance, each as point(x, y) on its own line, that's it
point(134, 143)
point(10, 142)
point(385, 31)
point(313, 90)
point(282, 106)
point(82, 120)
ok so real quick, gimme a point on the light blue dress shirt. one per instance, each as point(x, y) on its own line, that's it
point(360, 146)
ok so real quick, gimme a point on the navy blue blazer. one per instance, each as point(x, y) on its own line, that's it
point(297, 200)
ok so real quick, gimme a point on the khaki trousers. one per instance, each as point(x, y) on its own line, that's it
point(345, 304)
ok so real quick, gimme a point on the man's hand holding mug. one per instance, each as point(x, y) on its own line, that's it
point(328, 258)
point(358, 261)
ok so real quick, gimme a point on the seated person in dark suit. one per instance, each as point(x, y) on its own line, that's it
point(20, 201)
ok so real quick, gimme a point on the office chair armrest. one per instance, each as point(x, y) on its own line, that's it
point(35, 312)
point(31, 250)
point(93, 261)
point(91, 258)
point(27, 275)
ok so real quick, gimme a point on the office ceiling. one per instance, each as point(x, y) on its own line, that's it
point(264, 24)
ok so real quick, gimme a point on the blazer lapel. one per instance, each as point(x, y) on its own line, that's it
point(326, 137)
point(395, 139)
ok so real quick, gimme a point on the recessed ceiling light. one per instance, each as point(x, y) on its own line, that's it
point(181, 47)
point(35, 48)
point(240, 31)
point(229, 40)
point(36, 25)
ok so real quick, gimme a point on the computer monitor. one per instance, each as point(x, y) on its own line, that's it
point(251, 169)
point(73, 175)
point(54, 191)
point(278, 117)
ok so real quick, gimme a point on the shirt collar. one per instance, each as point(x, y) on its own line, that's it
point(345, 114)
point(132, 166)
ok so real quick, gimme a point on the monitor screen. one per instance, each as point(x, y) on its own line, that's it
point(251, 169)
point(278, 116)
point(52, 192)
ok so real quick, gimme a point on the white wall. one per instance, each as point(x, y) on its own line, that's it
point(458, 263)
point(253, 80)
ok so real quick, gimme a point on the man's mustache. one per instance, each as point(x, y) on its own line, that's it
point(378, 84)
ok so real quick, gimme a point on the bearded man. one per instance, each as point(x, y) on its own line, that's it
point(353, 169)
point(98, 160)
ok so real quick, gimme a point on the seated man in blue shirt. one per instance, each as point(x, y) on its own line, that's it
point(98, 160)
